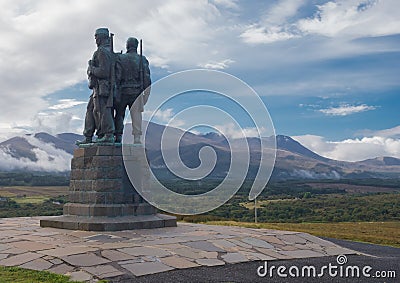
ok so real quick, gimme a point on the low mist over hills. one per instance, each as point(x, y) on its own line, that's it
point(48, 153)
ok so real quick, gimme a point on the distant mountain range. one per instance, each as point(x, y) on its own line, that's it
point(45, 152)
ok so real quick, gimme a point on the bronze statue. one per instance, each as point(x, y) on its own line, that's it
point(108, 72)
point(99, 114)
point(134, 84)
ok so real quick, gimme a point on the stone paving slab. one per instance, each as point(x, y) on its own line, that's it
point(139, 269)
point(234, 258)
point(31, 246)
point(178, 262)
point(37, 264)
point(15, 260)
point(88, 259)
point(104, 271)
point(61, 269)
point(90, 256)
point(114, 255)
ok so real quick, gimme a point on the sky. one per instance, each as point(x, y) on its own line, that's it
point(328, 71)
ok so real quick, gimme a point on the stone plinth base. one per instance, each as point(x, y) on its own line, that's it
point(110, 210)
point(101, 196)
point(109, 223)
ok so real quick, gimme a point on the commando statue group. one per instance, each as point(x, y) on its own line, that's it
point(117, 81)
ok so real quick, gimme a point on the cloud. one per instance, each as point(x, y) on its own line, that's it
point(283, 10)
point(307, 174)
point(354, 18)
point(341, 18)
point(217, 65)
point(352, 149)
point(66, 103)
point(56, 123)
point(230, 4)
point(49, 158)
point(232, 131)
point(257, 34)
point(386, 133)
point(164, 117)
point(45, 45)
point(274, 26)
point(346, 109)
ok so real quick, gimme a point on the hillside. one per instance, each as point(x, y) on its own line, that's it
point(45, 152)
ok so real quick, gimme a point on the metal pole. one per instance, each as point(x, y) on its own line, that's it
point(255, 210)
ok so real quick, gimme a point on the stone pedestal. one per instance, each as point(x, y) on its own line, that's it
point(101, 196)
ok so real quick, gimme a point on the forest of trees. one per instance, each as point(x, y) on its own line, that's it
point(33, 179)
point(289, 201)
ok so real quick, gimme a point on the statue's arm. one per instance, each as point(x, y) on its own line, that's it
point(147, 81)
point(147, 78)
point(103, 70)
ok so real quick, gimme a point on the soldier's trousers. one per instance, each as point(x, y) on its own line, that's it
point(136, 115)
point(98, 116)
point(105, 114)
point(90, 119)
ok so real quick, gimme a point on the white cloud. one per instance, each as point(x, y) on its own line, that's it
point(45, 45)
point(354, 18)
point(341, 18)
point(232, 131)
point(275, 25)
point(163, 117)
point(346, 109)
point(256, 34)
point(56, 123)
point(217, 65)
point(66, 103)
point(352, 149)
point(386, 133)
point(231, 4)
point(48, 157)
point(282, 11)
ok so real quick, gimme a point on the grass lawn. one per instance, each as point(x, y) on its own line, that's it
point(20, 275)
point(32, 199)
point(381, 233)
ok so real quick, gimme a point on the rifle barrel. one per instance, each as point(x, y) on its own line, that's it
point(141, 71)
point(112, 42)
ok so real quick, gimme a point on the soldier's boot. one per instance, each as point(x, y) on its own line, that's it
point(136, 139)
point(86, 140)
point(106, 139)
point(118, 138)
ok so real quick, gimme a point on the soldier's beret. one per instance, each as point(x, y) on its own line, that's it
point(102, 31)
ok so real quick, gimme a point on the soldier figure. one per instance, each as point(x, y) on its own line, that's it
point(99, 110)
point(134, 85)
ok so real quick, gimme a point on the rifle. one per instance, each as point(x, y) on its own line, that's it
point(144, 95)
point(110, 100)
point(141, 67)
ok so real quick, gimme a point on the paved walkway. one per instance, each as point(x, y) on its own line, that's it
point(88, 256)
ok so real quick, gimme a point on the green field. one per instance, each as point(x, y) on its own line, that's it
point(33, 191)
point(381, 233)
point(365, 210)
point(19, 201)
point(32, 195)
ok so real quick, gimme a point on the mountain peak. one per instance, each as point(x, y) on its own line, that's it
point(382, 161)
point(289, 144)
point(293, 159)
